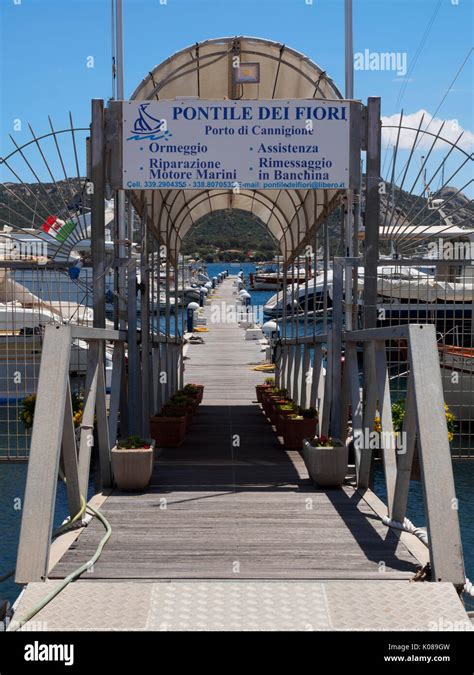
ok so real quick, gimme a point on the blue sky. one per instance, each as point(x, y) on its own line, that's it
point(45, 45)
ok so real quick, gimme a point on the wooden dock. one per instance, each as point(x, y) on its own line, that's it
point(231, 533)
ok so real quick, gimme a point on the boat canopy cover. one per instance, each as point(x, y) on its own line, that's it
point(421, 232)
point(204, 70)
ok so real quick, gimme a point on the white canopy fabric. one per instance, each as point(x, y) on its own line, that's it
point(204, 70)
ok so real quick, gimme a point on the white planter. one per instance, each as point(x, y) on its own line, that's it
point(132, 469)
point(326, 466)
point(253, 334)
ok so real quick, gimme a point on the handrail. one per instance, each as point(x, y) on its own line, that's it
point(424, 425)
point(304, 340)
point(53, 436)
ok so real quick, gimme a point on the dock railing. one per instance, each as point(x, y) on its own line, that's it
point(54, 437)
point(334, 382)
point(138, 389)
point(424, 427)
point(301, 371)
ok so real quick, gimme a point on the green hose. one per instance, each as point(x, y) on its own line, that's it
point(16, 624)
point(56, 533)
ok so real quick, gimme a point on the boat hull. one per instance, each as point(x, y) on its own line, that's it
point(20, 360)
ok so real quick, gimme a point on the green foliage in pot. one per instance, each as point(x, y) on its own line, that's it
point(28, 404)
point(171, 412)
point(180, 400)
point(191, 390)
point(288, 406)
point(398, 414)
point(133, 443)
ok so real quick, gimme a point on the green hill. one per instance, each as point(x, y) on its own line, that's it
point(230, 235)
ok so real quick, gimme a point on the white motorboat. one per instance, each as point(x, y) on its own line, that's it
point(405, 295)
point(23, 317)
point(270, 277)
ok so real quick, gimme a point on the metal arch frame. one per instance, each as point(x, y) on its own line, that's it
point(190, 204)
point(207, 195)
point(166, 218)
point(310, 223)
point(61, 251)
point(401, 229)
point(469, 155)
point(200, 197)
point(225, 41)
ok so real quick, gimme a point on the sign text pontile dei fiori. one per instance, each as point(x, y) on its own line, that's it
point(198, 144)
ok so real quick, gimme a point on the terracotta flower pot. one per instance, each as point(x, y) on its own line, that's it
point(260, 389)
point(274, 410)
point(295, 431)
point(266, 402)
point(132, 468)
point(269, 401)
point(179, 411)
point(326, 465)
point(168, 432)
point(200, 393)
point(280, 420)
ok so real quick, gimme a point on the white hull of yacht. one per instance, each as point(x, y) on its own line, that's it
point(20, 360)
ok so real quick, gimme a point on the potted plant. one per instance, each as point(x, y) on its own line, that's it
point(282, 411)
point(168, 429)
point(271, 398)
point(195, 391)
point(261, 388)
point(398, 414)
point(326, 460)
point(298, 426)
point(266, 395)
point(28, 404)
point(275, 404)
point(181, 405)
point(132, 463)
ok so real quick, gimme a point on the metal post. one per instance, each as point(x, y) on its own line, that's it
point(145, 326)
point(336, 348)
point(120, 224)
point(349, 50)
point(325, 276)
point(133, 360)
point(372, 212)
point(348, 224)
point(97, 211)
point(119, 47)
point(42, 477)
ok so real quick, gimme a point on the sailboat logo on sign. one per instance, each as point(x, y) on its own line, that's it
point(147, 126)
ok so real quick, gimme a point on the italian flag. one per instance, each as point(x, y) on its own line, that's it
point(57, 228)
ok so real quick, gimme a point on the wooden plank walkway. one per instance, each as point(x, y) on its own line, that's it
point(233, 536)
point(235, 498)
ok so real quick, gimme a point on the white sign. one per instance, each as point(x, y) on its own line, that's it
point(197, 144)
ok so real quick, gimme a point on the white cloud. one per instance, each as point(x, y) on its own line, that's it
point(450, 132)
